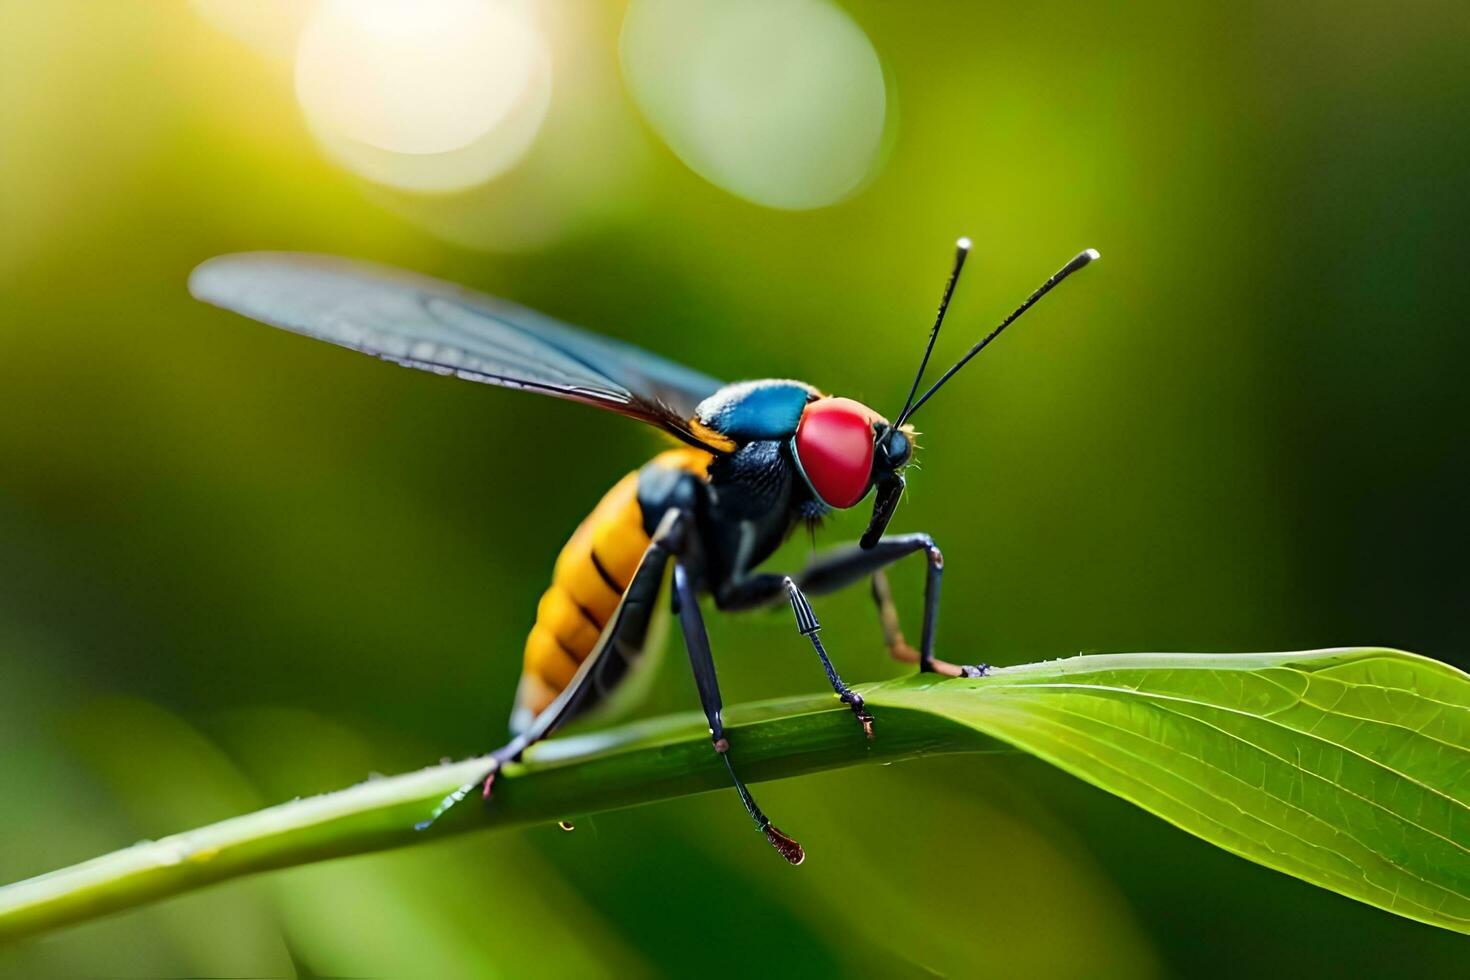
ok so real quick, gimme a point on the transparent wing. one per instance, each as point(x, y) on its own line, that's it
point(436, 326)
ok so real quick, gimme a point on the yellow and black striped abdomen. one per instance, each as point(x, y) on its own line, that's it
point(592, 573)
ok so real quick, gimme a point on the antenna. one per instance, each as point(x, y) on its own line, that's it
point(1082, 259)
point(961, 250)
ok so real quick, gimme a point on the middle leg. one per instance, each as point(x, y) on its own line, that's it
point(846, 565)
point(764, 588)
point(807, 626)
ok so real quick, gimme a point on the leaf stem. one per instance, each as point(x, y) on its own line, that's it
point(1345, 768)
point(561, 779)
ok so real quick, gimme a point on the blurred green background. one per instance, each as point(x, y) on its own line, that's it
point(237, 566)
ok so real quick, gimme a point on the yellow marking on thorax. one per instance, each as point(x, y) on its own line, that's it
point(710, 437)
point(592, 573)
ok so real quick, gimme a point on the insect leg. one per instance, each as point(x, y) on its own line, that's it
point(807, 626)
point(898, 645)
point(846, 565)
point(763, 589)
point(601, 670)
point(686, 607)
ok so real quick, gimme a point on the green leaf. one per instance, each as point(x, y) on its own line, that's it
point(1349, 769)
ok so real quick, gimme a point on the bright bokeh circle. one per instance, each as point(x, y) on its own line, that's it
point(781, 102)
point(425, 95)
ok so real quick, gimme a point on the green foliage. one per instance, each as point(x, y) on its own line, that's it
point(1349, 769)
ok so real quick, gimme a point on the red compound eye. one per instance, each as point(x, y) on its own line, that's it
point(834, 445)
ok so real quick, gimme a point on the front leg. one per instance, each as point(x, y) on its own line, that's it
point(848, 564)
point(893, 638)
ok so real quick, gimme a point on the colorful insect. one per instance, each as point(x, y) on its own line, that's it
point(759, 458)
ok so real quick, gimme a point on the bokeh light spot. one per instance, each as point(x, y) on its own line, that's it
point(781, 102)
point(590, 163)
point(269, 27)
point(426, 95)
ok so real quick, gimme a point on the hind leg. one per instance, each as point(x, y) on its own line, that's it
point(701, 660)
point(598, 673)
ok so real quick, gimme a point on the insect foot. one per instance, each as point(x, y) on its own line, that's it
point(455, 798)
point(788, 848)
point(859, 708)
point(977, 670)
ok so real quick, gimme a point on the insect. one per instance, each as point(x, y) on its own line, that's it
point(758, 459)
